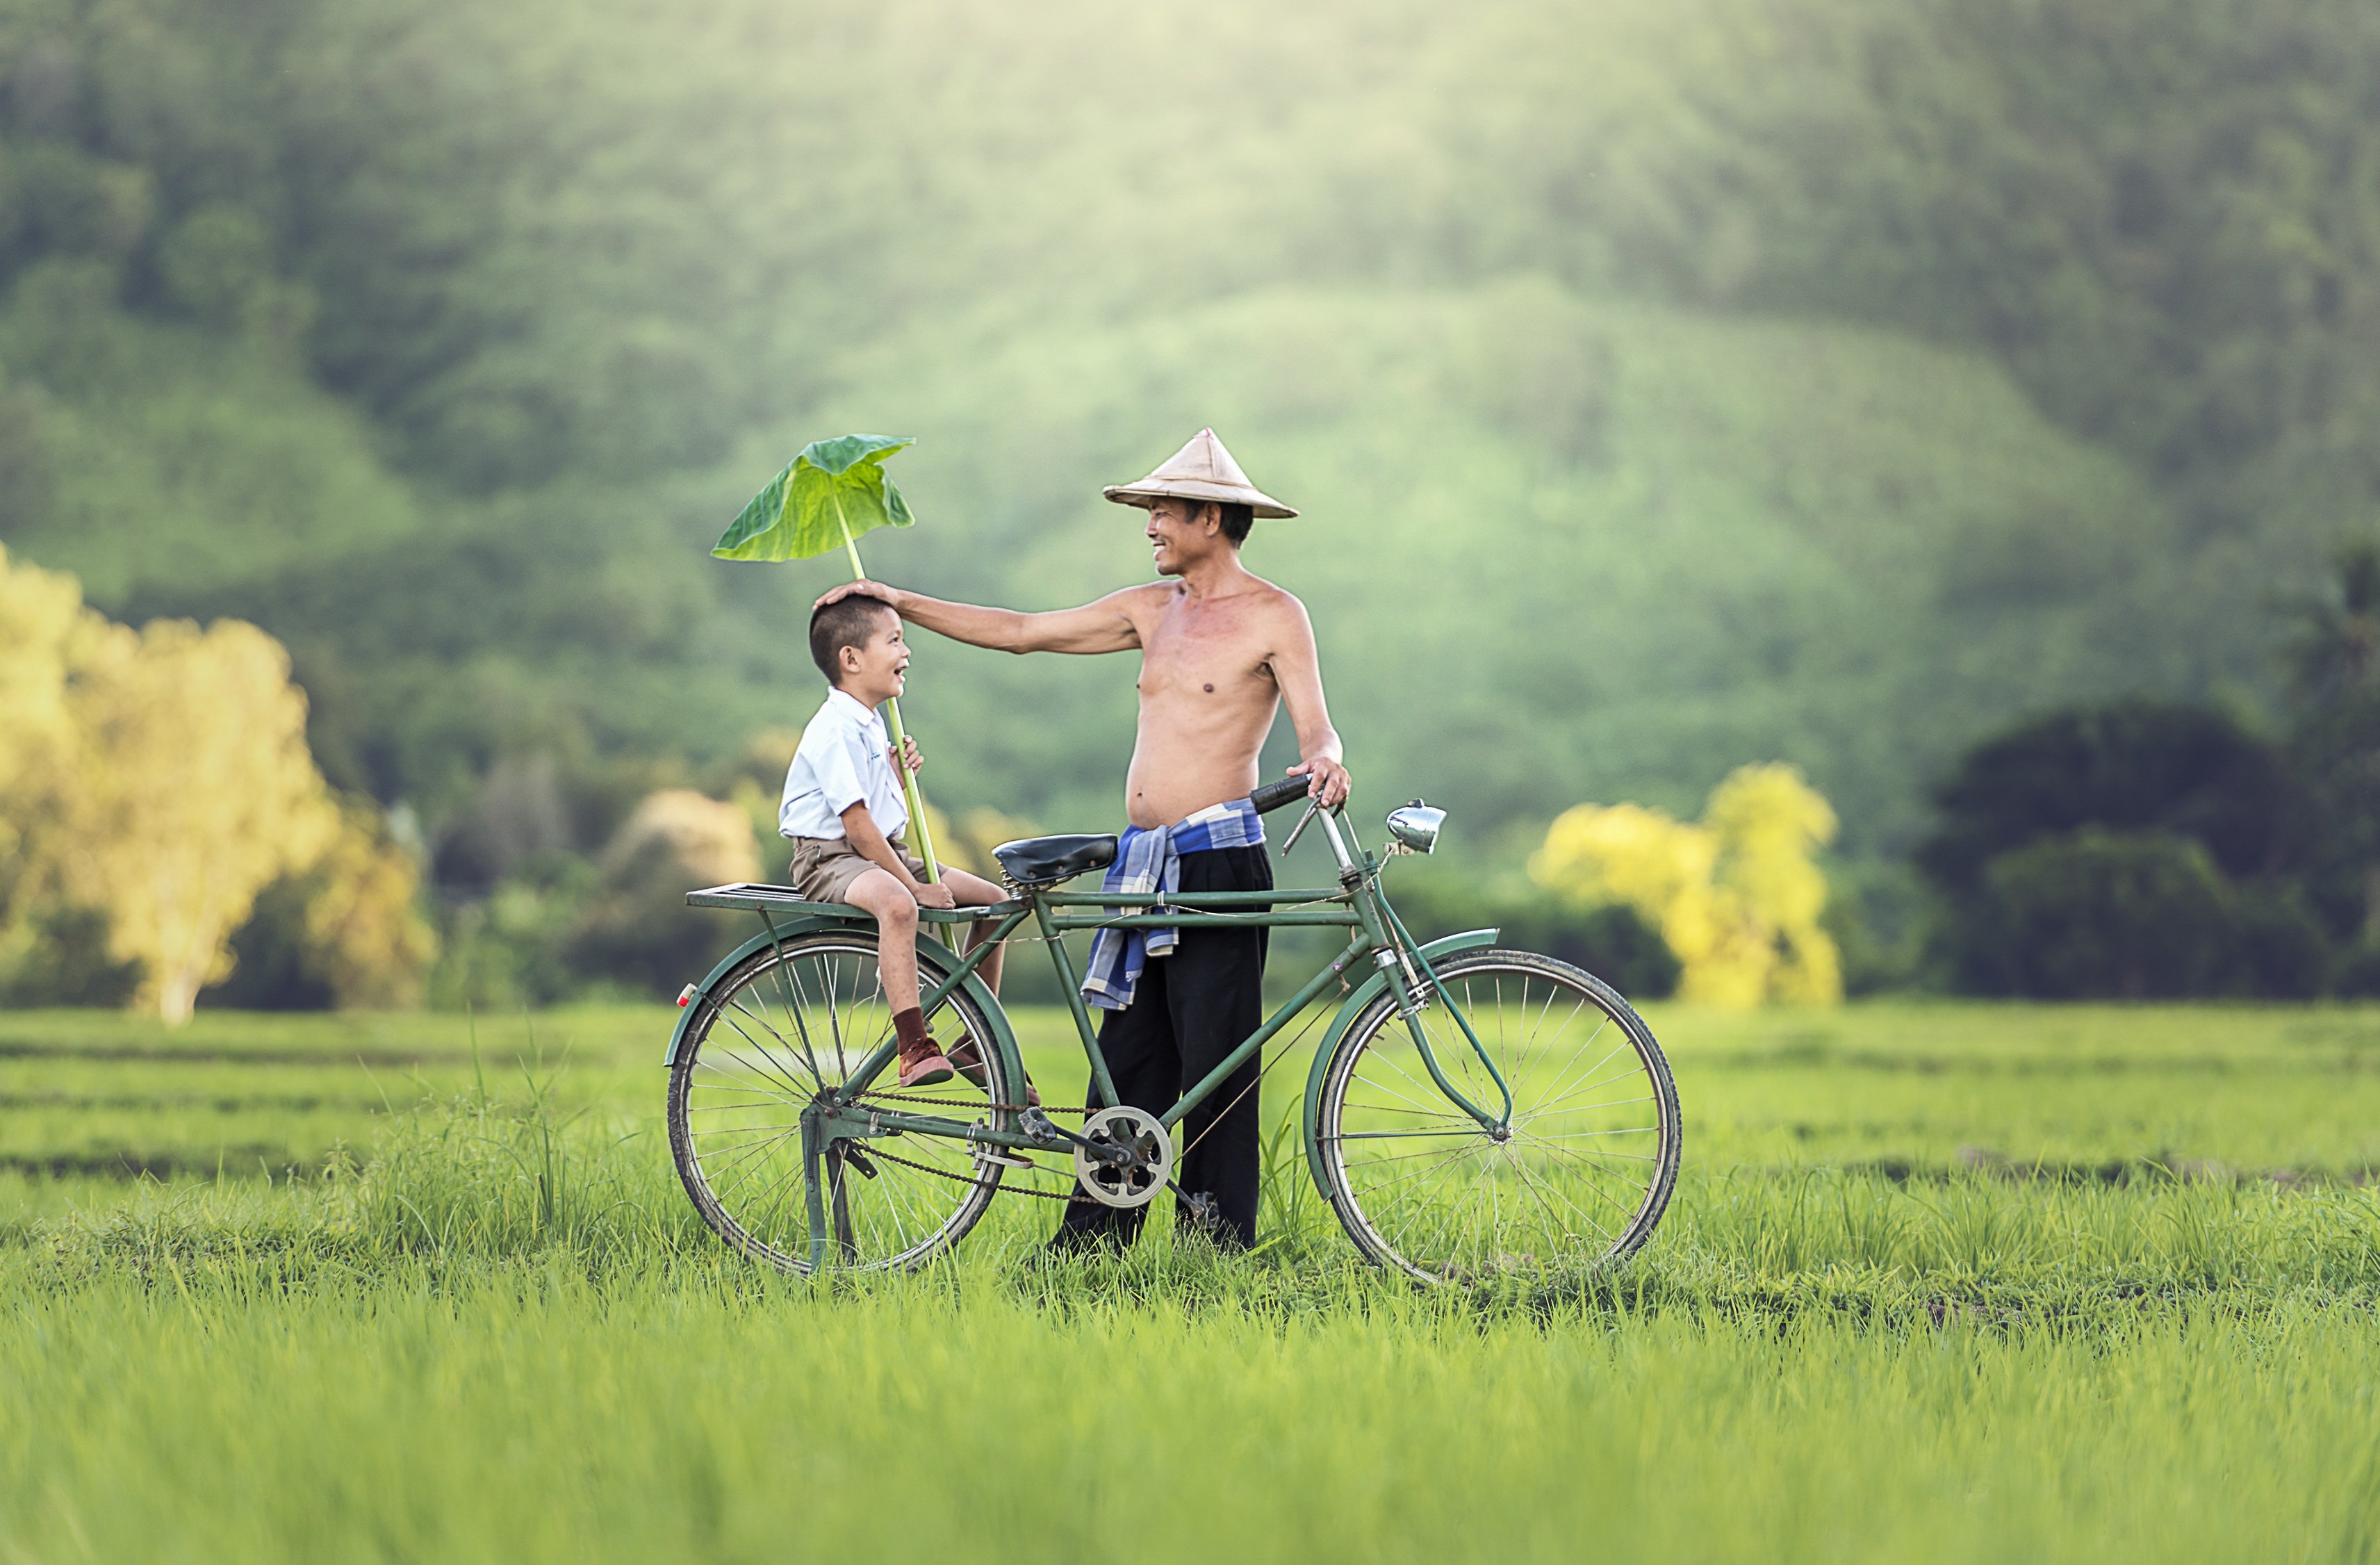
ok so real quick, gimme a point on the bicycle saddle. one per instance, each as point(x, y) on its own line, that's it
point(1042, 861)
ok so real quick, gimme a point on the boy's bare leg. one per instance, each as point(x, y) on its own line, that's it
point(974, 891)
point(896, 935)
point(880, 892)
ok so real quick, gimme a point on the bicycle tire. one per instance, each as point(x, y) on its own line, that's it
point(798, 1017)
point(1546, 1200)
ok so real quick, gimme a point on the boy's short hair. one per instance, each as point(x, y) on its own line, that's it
point(846, 621)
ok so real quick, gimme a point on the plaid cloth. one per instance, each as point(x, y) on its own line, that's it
point(1150, 859)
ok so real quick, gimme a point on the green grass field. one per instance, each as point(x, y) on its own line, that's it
point(1939, 1281)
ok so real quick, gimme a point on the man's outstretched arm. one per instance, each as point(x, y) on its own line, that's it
point(1297, 671)
point(1104, 626)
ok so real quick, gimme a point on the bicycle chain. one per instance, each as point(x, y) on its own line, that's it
point(874, 1155)
point(967, 1103)
point(971, 1103)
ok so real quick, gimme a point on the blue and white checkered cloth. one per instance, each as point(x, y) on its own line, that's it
point(1150, 859)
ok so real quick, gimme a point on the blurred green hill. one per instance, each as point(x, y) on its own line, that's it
point(1668, 385)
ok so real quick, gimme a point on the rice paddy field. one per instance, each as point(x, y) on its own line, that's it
point(1939, 1281)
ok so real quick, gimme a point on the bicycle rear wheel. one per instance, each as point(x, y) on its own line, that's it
point(786, 1024)
point(1583, 1175)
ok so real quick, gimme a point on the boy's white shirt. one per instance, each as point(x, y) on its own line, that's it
point(841, 761)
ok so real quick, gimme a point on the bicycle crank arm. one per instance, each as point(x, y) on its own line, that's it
point(1040, 1127)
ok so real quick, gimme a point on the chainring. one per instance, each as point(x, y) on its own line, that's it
point(1132, 1184)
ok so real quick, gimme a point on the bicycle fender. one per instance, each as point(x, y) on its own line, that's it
point(1366, 992)
point(1004, 1034)
point(702, 990)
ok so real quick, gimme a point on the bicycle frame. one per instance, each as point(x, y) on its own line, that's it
point(1401, 964)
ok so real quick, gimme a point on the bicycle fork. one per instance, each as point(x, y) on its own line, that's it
point(1410, 978)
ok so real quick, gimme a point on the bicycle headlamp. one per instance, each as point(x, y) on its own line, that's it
point(1416, 826)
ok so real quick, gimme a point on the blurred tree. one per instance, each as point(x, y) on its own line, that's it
point(2128, 765)
point(973, 836)
point(363, 914)
point(2334, 642)
point(559, 246)
point(346, 931)
point(2102, 914)
point(28, 477)
point(218, 265)
point(638, 932)
point(69, 333)
point(1770, 824)
point(513, 947)
point(43, 630)
point(1738, 898)
point(63, 202)
point(2333, 656)
point(2134, 915)
point(191, 790)
point(61, 955)
point(519, 813)
point(2131, 849)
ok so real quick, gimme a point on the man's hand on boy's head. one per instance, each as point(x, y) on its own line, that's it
point(888, 596)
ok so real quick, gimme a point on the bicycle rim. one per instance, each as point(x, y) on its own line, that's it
point(792, 1022)
point(1592, 1154)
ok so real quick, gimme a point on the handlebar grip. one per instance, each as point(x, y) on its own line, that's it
point(1272, 795)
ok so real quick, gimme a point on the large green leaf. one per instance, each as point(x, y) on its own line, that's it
point(805, 509)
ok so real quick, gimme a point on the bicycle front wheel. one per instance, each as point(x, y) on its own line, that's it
point(1582, 1172)
point(789, 1022)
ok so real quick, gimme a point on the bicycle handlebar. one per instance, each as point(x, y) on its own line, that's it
point(1272, 795)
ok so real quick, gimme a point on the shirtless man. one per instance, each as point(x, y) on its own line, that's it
point(1221, 649)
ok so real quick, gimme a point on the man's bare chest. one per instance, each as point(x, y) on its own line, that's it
point(1211, 655)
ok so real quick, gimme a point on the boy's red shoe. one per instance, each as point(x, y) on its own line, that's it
point(922, 1061)
point(925, 1068)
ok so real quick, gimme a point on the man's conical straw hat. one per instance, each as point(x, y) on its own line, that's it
point(1200, 470)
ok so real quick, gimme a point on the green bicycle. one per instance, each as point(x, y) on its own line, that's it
point(1469, 1110)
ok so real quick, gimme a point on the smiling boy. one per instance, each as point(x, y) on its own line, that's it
point(843, 812)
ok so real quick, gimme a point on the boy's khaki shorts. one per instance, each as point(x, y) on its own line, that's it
point(825, 868)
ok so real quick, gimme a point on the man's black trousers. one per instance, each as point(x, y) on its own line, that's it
point(1190, 1009)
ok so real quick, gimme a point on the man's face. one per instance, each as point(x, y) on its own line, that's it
point(1179, 534)
point(877, 671)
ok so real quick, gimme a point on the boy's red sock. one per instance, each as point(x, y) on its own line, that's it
point(922, 1064)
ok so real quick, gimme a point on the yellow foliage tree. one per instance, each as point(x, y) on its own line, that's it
point(42, 623)
point(1737, 897)
point(363, 920)
point(189, 789)
point(162, 778)
point(43, 627)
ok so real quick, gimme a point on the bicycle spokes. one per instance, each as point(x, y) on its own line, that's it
point(793, 1022)
point(1578, 1174)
